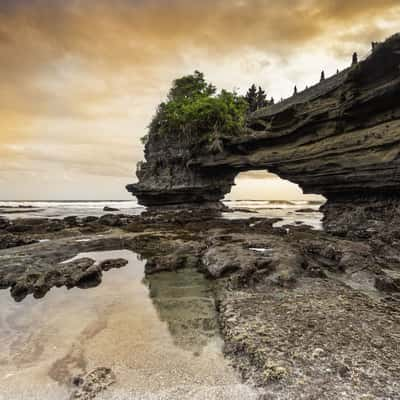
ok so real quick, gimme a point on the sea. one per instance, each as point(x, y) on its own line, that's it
point(291, 212)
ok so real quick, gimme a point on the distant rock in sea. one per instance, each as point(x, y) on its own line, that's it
point(110, 209)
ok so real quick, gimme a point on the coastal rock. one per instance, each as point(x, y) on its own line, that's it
point(4, 223)
point(312, 341)
point(110, 209)
point(110, 220)
point(389, 281)
point(93, 383)
point(106, 265)
point(339, 138)
point(89, 219)
point(303, 313)
point(71, 221)
point(9, 240)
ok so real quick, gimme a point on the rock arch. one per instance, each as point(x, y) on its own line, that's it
point(263, 185)
point(339, 138)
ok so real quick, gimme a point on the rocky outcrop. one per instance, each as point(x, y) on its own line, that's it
point(340, 138)
point(304, 314)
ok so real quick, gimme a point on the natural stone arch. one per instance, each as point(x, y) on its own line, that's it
point(339, 138)
point(263, 185)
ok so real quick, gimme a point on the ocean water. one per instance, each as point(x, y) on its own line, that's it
point(61, 209)
point(293, 212)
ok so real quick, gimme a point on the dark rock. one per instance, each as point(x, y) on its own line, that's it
point(55, 226)
point(110, 209)
point(114, 263)
point(81, 273)
point(307, 210)
point(19, 291)
point(90, 277)
point(244, 210)
point(77, 380)
point(9, 240)
point(93, 383)
point(110, 220)
point(89, 219)
point(36, 225)
point(71, 221)
point(387, 283)
point(19, 228)
point(4, 223)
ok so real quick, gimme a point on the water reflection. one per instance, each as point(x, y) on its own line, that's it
point(183, 299)
point(158, 336)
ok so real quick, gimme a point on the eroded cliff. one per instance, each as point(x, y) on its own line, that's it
point(340, 138)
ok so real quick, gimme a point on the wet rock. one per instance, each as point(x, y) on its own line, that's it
point(19, 291)
point(182, 258)
point(4, 223)
point(71, 221)
point(293, 308)
point(19, 228)
point(89, 219)
point(89, 278)
point(93, 383)
point(55, 226)
point(9, 240)
point(286, 340)
point(110, 209)
point(81, 273)
point(106, 265)
point(110, 220)
point(388, 281)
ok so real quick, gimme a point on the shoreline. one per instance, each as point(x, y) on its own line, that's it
point(303, 313)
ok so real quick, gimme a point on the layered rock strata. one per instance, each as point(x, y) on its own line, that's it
point(339, 138)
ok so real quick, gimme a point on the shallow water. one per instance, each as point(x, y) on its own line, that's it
point(290, 212)
point(61, 209)
point(287, 210)
point(159, 336)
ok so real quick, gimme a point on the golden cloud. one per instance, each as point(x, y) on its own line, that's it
point(136, 38)
point(75, 60)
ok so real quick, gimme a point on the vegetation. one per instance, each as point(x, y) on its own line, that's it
point(256, 98)
point(195, 109)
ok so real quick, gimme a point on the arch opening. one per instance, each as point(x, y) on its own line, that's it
point(264, 194)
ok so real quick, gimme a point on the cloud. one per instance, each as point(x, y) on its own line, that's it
point(62, 41)
point(92, 71)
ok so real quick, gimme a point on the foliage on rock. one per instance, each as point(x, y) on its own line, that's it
point(256, 99)
point(194, 109)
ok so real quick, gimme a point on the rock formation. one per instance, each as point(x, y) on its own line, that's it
point(339, 138)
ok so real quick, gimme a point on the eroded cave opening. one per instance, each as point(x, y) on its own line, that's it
point(267, 195)
point(263, 185)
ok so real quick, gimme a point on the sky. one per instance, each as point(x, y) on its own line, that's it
point(81, 79)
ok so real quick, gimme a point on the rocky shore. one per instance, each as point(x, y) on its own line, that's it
point(304, 314)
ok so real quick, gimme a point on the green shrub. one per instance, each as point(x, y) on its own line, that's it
point(194, 109)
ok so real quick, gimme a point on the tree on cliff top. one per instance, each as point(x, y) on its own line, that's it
point(256, 98)
point(190, 87)
point(195, 110)
point(251, 98)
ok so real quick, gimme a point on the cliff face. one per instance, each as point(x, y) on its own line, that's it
point(167, 179)
point(340, 138)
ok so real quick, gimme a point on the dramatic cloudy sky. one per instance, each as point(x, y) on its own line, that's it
point(80, 79)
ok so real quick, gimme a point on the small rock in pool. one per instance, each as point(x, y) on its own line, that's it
point(95, 382)
point(114, 263)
